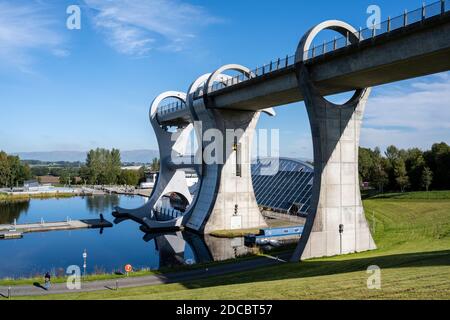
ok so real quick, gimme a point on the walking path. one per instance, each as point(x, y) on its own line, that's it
point(14, 230)
point(182, 276)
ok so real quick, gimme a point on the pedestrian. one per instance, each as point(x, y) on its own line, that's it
point(47, 278)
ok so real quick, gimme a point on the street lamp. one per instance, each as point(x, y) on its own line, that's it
point(84, 262)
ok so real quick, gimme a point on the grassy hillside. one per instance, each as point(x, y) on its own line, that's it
point(417, 195)
point(413, 239)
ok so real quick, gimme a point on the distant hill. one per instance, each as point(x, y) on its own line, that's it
point(139, 156)
point(136, 156)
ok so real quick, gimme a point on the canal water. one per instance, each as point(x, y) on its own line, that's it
point(107, 251)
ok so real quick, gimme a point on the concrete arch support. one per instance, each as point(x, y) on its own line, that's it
point(306, 42)
point(226, 198)
point(169, 179)
point(170, 146)
point(336, 223)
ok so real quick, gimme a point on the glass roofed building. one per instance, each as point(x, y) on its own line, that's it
point(283, 185)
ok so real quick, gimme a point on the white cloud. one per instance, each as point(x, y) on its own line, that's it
point(300, 147)
point(135, 27)
point(415, 115)
point(24, 28)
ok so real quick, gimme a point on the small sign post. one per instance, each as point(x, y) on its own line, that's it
point(128, 268)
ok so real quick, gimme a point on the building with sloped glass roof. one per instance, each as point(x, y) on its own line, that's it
point(283, 185)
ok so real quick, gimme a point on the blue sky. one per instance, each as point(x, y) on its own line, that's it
point(67, 90)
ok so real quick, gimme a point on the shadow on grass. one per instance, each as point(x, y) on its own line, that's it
point(417, 195)
point(313, 268)
point(110, 288)
point(40, 286)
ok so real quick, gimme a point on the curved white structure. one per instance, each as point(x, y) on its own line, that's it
point(336, 25)
point(225, 199)
point(170, 179)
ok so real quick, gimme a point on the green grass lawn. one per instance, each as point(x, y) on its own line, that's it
point(413, 239)
point(4, 197)
point(418, 195)
point(62, 279)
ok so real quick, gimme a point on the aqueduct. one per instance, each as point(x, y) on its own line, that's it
point(401, 48)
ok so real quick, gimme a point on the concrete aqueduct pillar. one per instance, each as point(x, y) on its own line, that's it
point(226, 198)
point(336, 223)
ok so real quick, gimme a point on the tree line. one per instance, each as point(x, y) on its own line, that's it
point(394, 170)
point(12, 171)
point(102, 167)
point(401, 170)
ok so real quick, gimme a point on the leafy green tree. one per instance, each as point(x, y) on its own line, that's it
point(114, 169)
point(141, 173)
point(129, 177)
point(415, 164)
point(379, 175)
point(366, 164)
point(155, 164)
point(64, 177)
point(438, 160)
point(392, 153)
point(102, 166)
point(401, 176)
point(24, 174)
point(4, 170)
point(85, 175)
point(73, 180)
point(56, 172)
point(40, 171)
point(14, 169)
point(93, 167)
point(427, 178)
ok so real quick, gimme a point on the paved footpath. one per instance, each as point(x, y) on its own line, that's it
point(181, 276)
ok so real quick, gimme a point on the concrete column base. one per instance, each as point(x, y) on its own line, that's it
point(336, 199)
point(226, 199)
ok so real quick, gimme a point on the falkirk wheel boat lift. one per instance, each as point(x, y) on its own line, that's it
point(225, 198)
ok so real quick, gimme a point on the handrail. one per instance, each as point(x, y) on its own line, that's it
point(406, 19)
point(171, 107)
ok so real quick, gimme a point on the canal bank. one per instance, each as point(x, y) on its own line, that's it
point(108, 251)
point(14, 231)
point(195, 273)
